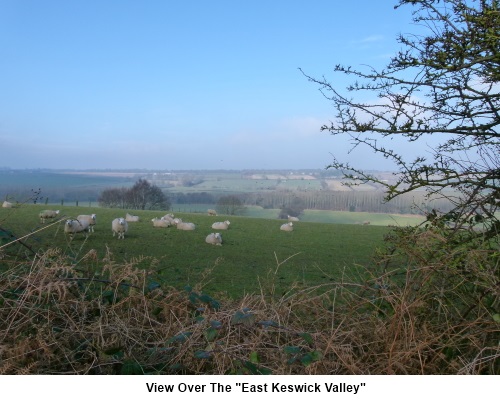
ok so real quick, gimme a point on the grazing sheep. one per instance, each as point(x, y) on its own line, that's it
point(47, 214)
point(119, 226)
point(160, 223)
point(73, 226)
point(91, 219)
point(131, 218)
point(366, 222)
point(288, 227)
point(290, 218)
point(7, 204)
point(214, 238)
point(186, 226)
point(221, 225)
point(211, 212)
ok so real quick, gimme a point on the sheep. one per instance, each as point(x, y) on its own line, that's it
point(288, 227)
point(131, 218)
point(366, 222)
point(73, 226)
point(91, 219)
point(119, 226)
point(47, 214)
point(7, 204)
point(169, 218)
point(176, 221)
point(221, 225)
point(160, 223)
point(186, 226)
point(290, 218)
point(211, 212)
point(214, 238)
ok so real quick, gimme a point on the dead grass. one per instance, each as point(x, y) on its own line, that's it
point(96, 316)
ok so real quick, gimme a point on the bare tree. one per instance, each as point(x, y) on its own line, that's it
point(445, 84)
point(229, 205)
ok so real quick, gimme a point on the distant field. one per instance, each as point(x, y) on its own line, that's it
point(324, 216)
point(340, 217)
point(317, 253)
point(35, 180)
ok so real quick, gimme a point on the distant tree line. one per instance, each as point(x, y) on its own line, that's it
point(293, 202)
point(141, 196)
point(290, 202)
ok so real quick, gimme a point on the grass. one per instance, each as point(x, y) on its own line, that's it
point(316, 253)
point(95, 306)
point(340, 217)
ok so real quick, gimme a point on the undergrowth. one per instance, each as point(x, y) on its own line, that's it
point(431, 307)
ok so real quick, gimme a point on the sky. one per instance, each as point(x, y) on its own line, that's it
point(166, 85)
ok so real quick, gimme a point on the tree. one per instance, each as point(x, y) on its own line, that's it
point(446, 84)
point(113, 198)
point(141, 196)
point(229, 205)
point(294, 209)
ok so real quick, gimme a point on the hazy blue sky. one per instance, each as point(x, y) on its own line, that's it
point(181, 84)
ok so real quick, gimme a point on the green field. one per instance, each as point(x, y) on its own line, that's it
point(316, 253)
point(340, 217)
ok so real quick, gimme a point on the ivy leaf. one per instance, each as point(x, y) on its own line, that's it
point(202, 354)
point(211, 334)
point(181, 337)
point(292, 349)
point(241, 317)
point(307, 337)
point(254, 357)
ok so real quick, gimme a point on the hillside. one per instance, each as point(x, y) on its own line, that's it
point(315, 253)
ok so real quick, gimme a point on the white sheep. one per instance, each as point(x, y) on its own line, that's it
point(176, 221)
point(7, 204)
point(211, 212)
point(160, 223)
point(119, 226)
point(91, 219)
point(131, 218)
point(186, 226)
point(47, 214)
point(169, 218)
point(290, 218)
point(214, 238)
point(221, 225)
point(288, 227)
point(73, 226)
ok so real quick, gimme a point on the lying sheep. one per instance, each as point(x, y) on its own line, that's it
point(73, 226)
point(160, 222)
point(7, 204)
point(169, 218)
point(290, 218)
point(119, 226)
point(47, 214)
point(214, 238)
point(221, 225)
point(131, 218)
point(288, 227)
point(211, 212)
point(186, 226)
point(91, 219)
